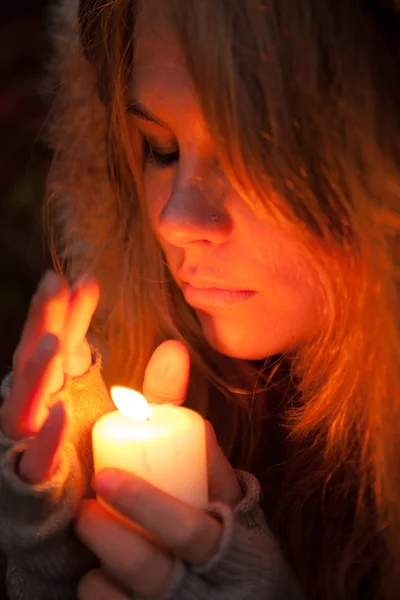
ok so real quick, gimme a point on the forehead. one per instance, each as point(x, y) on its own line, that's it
point(158, 58)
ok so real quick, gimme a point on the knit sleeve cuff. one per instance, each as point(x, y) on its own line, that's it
point(32, 514)
point(81, 381)
point(248, 563)
point(29, 514)
point(248, 512)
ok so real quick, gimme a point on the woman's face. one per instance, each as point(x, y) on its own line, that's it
point(246, 278)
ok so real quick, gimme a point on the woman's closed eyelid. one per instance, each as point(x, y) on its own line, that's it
point(160, 156)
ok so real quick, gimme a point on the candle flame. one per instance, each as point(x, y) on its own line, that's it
point(132, 404)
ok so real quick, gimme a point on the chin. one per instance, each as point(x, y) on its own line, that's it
point(239, 341)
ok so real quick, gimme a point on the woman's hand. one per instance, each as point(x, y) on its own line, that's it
point(53, 343)
point(142, 560)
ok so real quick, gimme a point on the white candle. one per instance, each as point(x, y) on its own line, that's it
point(162, 443)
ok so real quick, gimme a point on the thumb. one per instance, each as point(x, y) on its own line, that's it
point(223, 485)
point(167, 374)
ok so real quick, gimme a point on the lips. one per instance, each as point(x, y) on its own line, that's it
point(208, 283)
point(207, 297)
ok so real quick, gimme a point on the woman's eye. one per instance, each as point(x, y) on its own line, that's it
point(159, 157)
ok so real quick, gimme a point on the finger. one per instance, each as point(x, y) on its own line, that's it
point(130, 558)
point(189, 533)
point(24, 410)
point(47, 313)
point(95, 585)
point(41, 458)
point(167, 374)
point(85, 294)
point(223, 485)
point(83, 302)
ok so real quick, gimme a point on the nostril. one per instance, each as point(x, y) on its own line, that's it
point(190, 217)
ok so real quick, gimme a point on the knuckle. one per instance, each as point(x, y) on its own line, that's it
point(33, 365)
point(130, 493)
point(189, 534)
point(134, 564)
point(80, 348)
point(88, 585)
point(79, 358)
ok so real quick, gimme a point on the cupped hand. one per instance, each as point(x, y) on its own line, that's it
point(143, 560)
point(53, 343)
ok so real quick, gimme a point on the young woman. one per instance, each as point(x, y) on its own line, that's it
point(227, 173)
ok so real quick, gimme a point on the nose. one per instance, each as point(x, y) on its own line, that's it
point(188, 218)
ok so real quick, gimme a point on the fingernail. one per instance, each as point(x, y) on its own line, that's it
point(106, 482)
point(48, 343)
point(57, 410)
point(51, 282)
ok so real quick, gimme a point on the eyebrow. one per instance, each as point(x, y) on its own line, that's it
point(140, 110)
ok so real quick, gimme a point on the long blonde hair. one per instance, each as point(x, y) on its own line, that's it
point(301, 99)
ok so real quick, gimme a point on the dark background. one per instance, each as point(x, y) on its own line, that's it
point(24, 161)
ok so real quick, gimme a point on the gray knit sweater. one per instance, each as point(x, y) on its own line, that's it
point(41, 559)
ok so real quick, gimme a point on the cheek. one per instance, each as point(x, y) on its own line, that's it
point(157, 188)
point(292, 293)
point(285, 313)
point(290, 303)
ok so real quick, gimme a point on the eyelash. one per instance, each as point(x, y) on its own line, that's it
point(161, 159)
